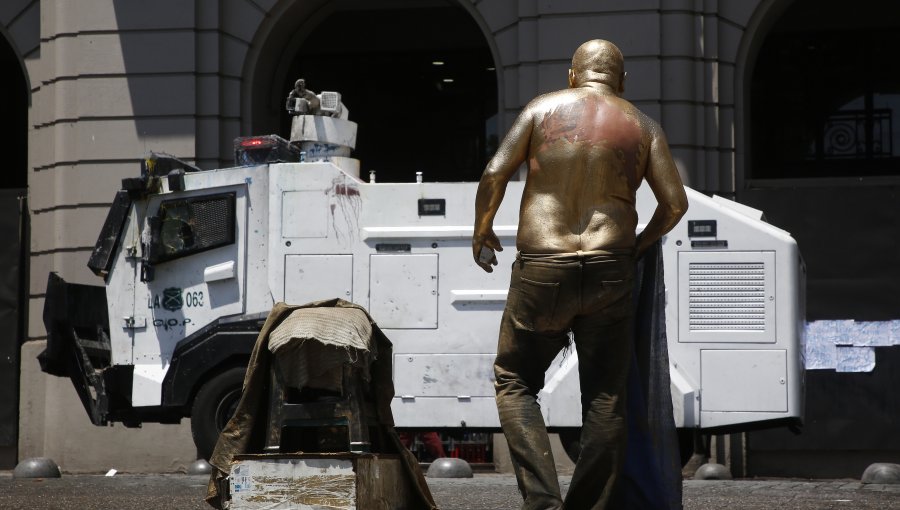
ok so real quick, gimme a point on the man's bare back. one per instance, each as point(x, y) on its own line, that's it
point(585, 161)
point(587, 151)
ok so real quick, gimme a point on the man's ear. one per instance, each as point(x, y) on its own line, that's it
point(571, 78)
point(622, 82)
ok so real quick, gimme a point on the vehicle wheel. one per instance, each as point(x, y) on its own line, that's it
point(213, 407)
point(571, 441)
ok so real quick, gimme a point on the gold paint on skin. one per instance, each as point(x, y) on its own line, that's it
point(587, 151)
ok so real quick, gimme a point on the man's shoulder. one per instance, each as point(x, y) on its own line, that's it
point(552, 98)
point(648, 125)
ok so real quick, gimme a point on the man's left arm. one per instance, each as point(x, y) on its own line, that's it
point(492, 187)
point(663, 179)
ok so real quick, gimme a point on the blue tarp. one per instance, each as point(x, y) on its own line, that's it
point(652, 475)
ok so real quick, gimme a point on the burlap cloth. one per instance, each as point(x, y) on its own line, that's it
point(337, 332)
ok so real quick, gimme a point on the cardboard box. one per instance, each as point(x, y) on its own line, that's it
point(319, 481)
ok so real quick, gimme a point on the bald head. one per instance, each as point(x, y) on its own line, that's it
point(598, 61)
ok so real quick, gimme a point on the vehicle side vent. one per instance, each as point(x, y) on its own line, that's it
point(727, 297)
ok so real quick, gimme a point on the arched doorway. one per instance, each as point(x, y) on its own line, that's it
point(418, 77)
point(13, 250)
point(824, 164)
point(826, 92)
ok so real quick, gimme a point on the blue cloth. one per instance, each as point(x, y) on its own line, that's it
point(651, 479)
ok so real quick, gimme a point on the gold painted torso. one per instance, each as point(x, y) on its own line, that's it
point(586, 160)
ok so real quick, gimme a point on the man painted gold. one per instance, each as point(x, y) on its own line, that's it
point(587, 151)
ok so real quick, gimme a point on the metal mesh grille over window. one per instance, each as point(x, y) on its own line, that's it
point(214, 221)
point(727, 297)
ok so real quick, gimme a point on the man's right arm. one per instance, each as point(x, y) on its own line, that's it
point(510, 155)
point(663, 179)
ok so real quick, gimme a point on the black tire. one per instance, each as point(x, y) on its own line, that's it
point(213, 407)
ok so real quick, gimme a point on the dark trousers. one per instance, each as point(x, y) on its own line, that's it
point(589, 295)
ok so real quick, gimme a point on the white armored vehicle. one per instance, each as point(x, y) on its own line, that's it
point(192, 260)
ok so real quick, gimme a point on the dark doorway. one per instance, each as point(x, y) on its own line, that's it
point(826, 92)
point(13, 259)
point(419, 80)
point(14, 112)
point(825, 166)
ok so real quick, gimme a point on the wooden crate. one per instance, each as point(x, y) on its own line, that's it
point(318, 481)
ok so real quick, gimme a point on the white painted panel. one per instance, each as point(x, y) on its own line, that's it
point(743, 380)
point(315, 277)
point(444, 375)
point(304, 214)
point(434, 412)
point(403, 291)
point(146, 383)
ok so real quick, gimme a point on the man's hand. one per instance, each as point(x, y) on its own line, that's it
point(511, 153)
point(486, 243)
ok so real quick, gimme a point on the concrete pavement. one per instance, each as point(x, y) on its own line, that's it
point(792, 494)
point(499, 492)
point(484, 492)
